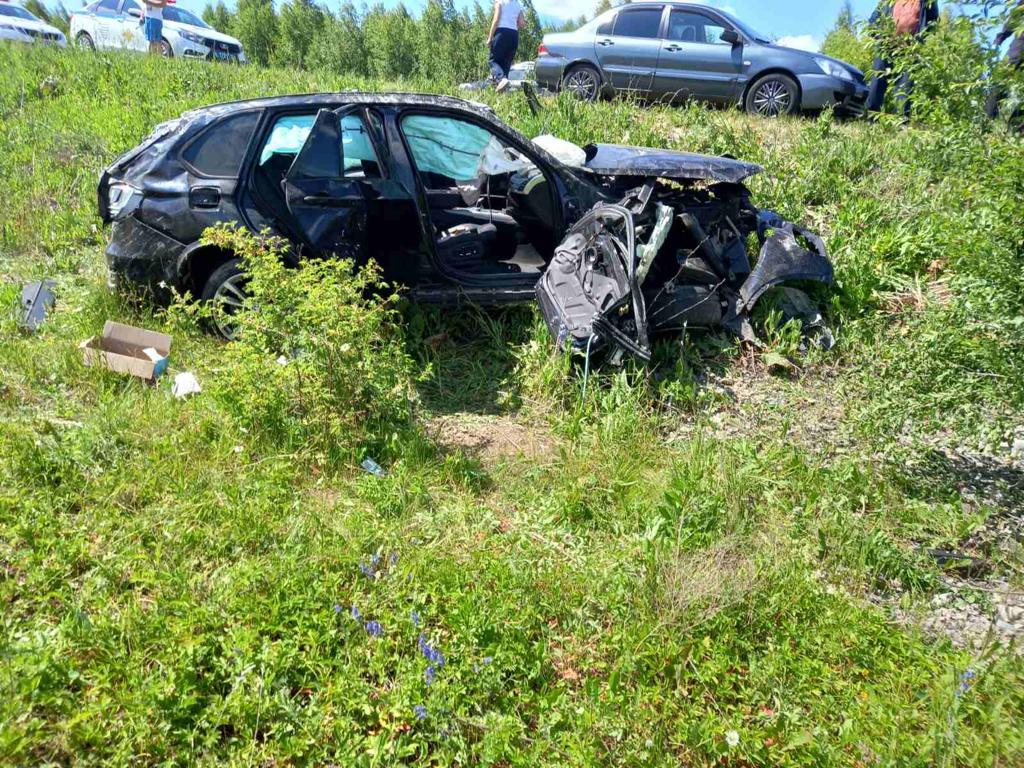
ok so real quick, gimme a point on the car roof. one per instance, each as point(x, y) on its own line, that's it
point(355, 98)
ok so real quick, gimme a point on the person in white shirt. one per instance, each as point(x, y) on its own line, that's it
point(503, 39)
point(154, 24)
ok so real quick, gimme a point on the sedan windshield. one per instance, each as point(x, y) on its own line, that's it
point(182, 16)
point(16, 11)
point(745, 28)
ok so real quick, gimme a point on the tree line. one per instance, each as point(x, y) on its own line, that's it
point(442, 42)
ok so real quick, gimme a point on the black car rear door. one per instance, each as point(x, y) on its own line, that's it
point(327, 202)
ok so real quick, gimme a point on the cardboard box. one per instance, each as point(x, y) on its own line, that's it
point(124, 349)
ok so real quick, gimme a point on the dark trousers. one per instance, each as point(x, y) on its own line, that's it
point(503, 51)
point(876, 94)
point(1015, 56)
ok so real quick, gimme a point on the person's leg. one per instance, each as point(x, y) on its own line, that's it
point(903, 88)
point(876, 93)
point(509, 52)
point(493, 62)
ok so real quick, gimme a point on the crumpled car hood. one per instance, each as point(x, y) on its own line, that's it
point(619, 160)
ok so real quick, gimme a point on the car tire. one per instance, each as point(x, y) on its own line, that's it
point(582, 81)
point(85, 42)
point(226, 286)
point(165, 49)
point(773, 95)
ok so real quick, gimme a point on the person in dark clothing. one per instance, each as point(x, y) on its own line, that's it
point(911, 19)
point(1014, 28)
point(503, 39)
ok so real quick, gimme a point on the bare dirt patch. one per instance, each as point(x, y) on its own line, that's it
point(491, 438)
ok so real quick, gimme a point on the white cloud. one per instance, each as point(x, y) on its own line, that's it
point(803, 42)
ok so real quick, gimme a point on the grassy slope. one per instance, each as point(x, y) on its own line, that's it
point(642, 583)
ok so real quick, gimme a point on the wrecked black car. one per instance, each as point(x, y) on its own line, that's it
point(618, 243)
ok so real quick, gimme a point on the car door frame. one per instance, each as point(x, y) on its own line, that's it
point(628, 78)
point(134, 34)
point(105, 21)
point(718, 86)
point(330, 201)
point(482, 288)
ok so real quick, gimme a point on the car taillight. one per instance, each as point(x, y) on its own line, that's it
point(542, 49)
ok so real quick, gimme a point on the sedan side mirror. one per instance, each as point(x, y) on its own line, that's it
point(731, 36)
point(134, 12)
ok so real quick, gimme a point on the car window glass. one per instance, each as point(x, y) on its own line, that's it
point(218, 151)
point(690, 27)
point(455, 150)
point(17, 12)
point(640, 22)
point(287, 136)
point(359, 158)
point(108, 6)
point(129, 4)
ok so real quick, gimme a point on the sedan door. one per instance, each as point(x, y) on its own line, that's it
point(695, 61)
point(629, 55)
point(106, 24)
point(133, 33)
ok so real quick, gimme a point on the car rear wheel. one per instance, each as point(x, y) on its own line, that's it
point(773, 95)
point(583, 82)
point(84, 41)
point(165, 49)
point(225, 288)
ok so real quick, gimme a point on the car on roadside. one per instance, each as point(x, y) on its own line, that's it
point(118, 24)
point(20, 25)
point(615, 242)
point(679, 51)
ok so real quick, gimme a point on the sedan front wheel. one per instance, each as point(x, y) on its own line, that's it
point(773, 95)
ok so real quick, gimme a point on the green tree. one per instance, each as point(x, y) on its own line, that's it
point(847, 42)
point(256, 27)
point(390, 37)
point(219, 17)
point(298, 23)
point(531, 35)
point(338, 45)
point(58, 16)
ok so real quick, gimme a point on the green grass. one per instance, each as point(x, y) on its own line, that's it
point(663, 564)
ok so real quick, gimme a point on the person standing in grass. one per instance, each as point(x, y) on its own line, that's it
point(154, 24)
point(897, 23)
point(503, 39)
point(1014, 28)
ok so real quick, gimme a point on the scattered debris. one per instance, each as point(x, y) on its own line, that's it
point(130, 350)
point(373, 467)
point(185, 384)
point(36, 300)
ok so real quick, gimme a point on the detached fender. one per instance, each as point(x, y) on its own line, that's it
point(783, 259)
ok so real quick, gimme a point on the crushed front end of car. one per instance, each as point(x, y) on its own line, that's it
point(673, 253)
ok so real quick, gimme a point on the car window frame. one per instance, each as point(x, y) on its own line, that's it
point(184, 147)
point(634, 9)
point(272, 116)
point(103, 10)
point(707, 14)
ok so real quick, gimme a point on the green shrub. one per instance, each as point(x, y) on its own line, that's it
point(319, 364)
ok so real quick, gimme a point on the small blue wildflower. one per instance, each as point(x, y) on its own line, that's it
point(393, 559)
point(374, 629)
point(488, 659)
point(355, 613)
point(966, 680)
point(421, 712)
point(432, 655)
point(429, 675)
point(415, 618)
point(337, 608)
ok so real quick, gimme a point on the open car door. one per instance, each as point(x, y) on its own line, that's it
point(329, 208)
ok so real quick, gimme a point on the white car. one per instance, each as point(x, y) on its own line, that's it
point(21, 26)
point(111, 24)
